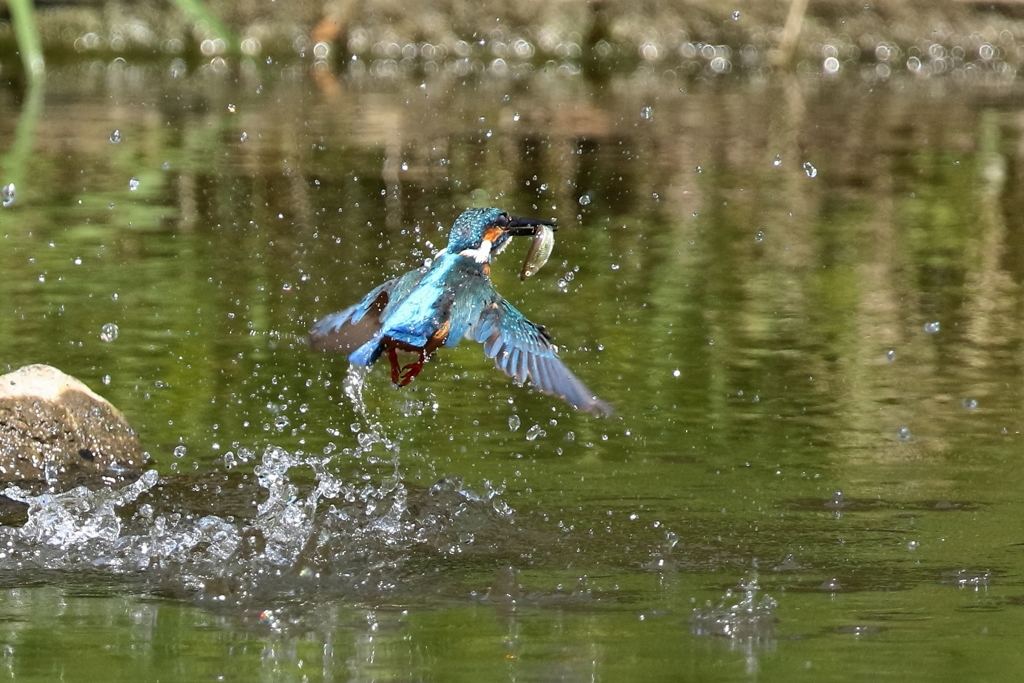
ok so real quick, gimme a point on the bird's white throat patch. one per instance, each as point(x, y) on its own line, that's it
point(481, 254)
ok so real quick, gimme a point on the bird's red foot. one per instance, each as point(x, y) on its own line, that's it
point(410, 371)
point(395, 367)
point(402, 375)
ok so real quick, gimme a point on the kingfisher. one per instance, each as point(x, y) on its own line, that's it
point(451, 297)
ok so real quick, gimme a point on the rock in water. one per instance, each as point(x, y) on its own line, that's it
point(55, 429)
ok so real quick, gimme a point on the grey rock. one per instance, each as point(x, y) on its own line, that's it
point(54, 429)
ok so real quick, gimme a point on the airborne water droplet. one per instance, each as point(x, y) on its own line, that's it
point(736, 15)
point(243, 137)
point(778, 160)
point(133, 184)
point(109, 332)
point(514, 422)
point(115, 136)
point(7, 194)
point(759, 237)
point(890, 355)
point(179, 451)
point(932, 327)
point(647, 113)
point(810, 170)
point(535, 432)
point(903, 434)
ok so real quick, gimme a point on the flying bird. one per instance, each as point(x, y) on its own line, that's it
point(451, 297)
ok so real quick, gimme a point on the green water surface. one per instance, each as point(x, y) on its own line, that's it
point(802, 296)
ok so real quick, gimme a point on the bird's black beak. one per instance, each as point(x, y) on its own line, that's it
point(522, 227)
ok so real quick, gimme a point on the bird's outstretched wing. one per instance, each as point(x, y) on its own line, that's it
point(523, 349)
point(349, 329)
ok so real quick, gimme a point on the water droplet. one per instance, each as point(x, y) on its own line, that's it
point(647, 113)
point(903, 434)
point(778, 160)
point(584, 199)
point(243, 137)
point(514, 422)
point(913, 545)
point(810, 170)
point(280, 422)
point(405, 165)
point(890, 355)
point(831, 584)
point(78, 260)
point(115, 136)
point(109, 332)
point(698, 169)
point(106, 380)
point(231, 109)
point(677, 372)
point(133, 184)
point(736, 15)
point(759, 237)
point(969, 403)
point(535, 432)
point(7, 194)
point(179, 451)
point(114, 297)
point(932, 327)
point(515, 117)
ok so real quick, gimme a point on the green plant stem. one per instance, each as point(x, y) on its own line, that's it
point(23, 17)
point(198, 11)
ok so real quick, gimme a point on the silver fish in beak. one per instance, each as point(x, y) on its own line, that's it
point(540, 251)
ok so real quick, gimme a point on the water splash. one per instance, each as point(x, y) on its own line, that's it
point(79, 519)
point(281, 527)
point(301, 536)
point(749, 618)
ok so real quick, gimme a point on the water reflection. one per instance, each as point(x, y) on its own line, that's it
point(761, 327)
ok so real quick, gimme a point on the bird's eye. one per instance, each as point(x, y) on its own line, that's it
point(502, 220)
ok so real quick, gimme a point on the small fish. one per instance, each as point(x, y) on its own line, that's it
point(540, 251)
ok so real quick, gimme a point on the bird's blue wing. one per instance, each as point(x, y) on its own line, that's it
point(522, 349)
point(353, 327)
